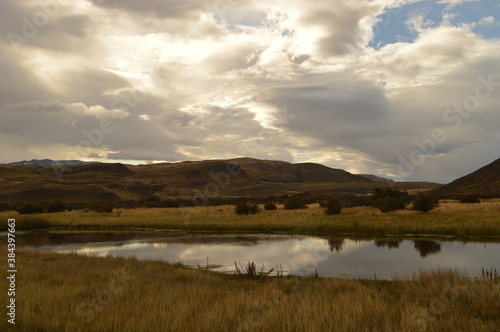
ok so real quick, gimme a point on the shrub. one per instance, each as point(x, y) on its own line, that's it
point(30, 208)
point(388, 192)
point(295, 203)
point(246, 208)
point(270, 206)
point(105, 207)
point(333, 206)
point(425, 203)
point(389, 199)
point(56, 206)
point(470, 199)
point(6, 207)
point(353, 201)
point(389, 204)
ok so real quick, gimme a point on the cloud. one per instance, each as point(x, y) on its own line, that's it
point(455, 2)
point(72, 110)
point(158, 8)
point(286, 80)
point(326, 29)
point(84, 130)
point(487, 21)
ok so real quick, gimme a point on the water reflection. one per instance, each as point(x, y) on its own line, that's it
point(57, 238)
point(427, 247)
point(423, 247)
point(336, 245)
point(299, 255)
point(391, 244)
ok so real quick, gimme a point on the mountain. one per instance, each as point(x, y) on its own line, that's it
point(484, 182)
point(378, 178)
point(48, 162)
point(254, 178)
point(188, 179)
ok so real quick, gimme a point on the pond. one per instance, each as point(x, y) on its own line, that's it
point(340, 257)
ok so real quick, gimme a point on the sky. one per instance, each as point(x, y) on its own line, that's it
point(407, 89)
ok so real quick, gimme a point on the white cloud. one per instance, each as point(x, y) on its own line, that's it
point(487, 21)
point(455, 2)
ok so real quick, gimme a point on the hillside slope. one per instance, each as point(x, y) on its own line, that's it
point(484, 182)
point(221, 178)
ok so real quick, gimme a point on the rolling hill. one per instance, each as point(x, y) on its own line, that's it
point(221, 178)
point(378, 178)
point(484, 182)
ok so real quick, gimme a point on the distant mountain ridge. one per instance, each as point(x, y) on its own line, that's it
point(203, 179)
point(37, 179)
point(49, 162)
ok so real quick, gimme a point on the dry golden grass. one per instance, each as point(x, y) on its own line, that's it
point(486, 206)
point(76, 293)
point(451, 218)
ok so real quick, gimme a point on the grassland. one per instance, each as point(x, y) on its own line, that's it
point(58, 292)
point(450, 219)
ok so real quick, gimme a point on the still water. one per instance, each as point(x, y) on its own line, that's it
point(344, 257)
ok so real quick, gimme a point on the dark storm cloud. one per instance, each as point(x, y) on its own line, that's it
point(333, 108)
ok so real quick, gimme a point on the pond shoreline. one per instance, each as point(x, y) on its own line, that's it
point(399, 254)
point(198, 231)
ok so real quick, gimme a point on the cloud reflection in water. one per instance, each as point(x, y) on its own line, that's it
point(302, 255)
